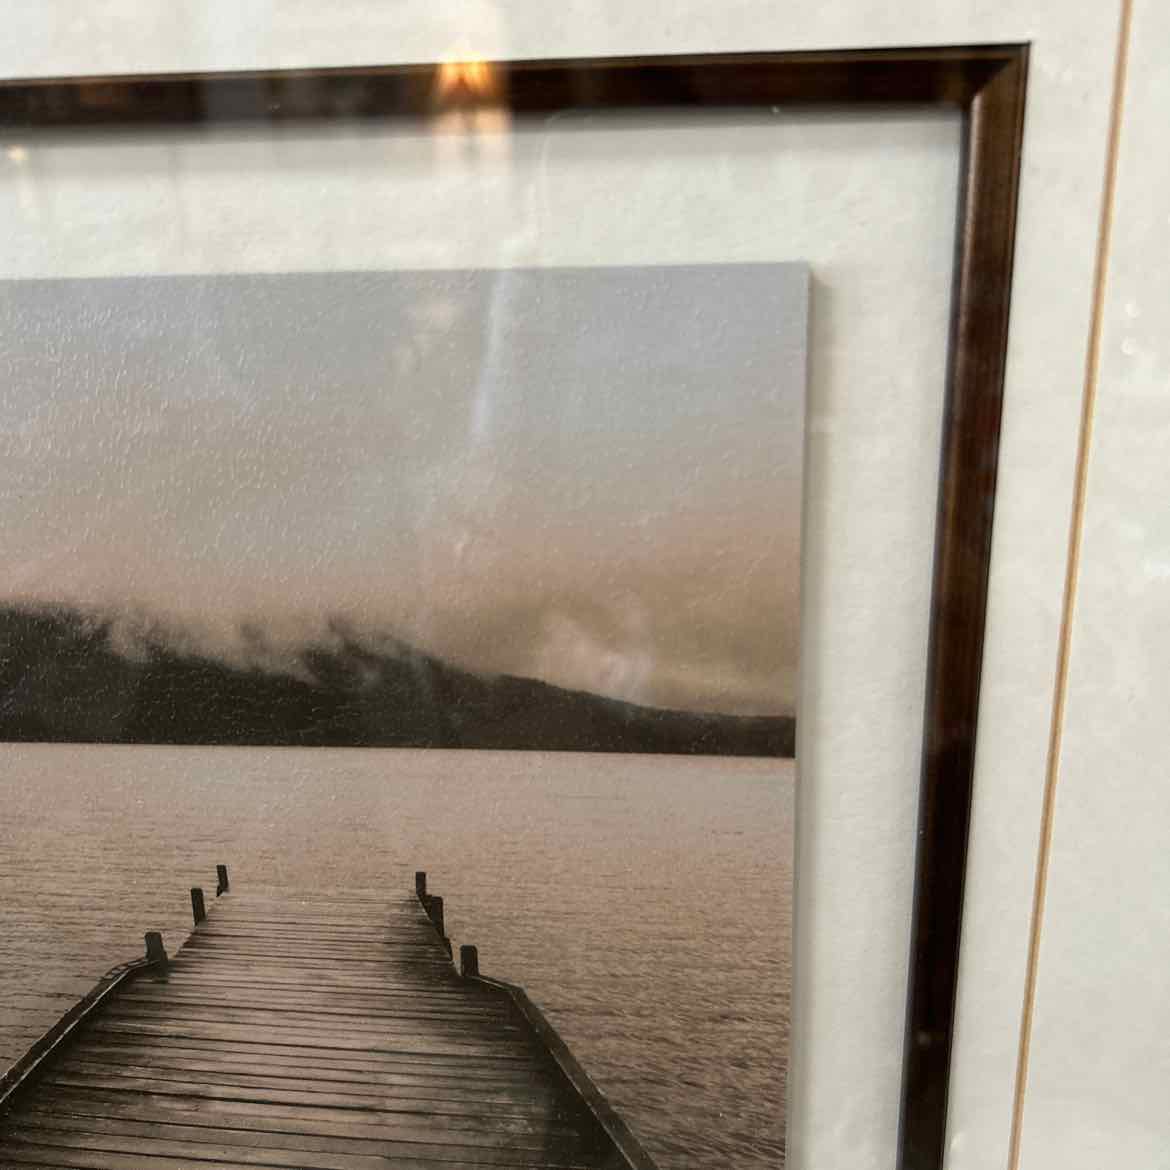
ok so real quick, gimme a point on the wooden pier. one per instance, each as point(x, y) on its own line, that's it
point(307, 1032)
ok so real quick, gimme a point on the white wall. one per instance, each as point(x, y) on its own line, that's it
point(1098, 1084)
point(1097, 1078)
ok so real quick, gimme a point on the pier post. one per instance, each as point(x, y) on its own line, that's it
point(222, 885)
point(468, 961)
point(155, 951)
point(420, 884)
point(435, 910)
point(198, 911)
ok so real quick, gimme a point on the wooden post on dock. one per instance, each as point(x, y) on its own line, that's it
point(468, 961)
point(222, 885)
point(155, 951)
point(435, 910)
point(420, 884)
point(198, 910)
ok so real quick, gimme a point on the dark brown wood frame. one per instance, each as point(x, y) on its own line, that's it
point(985, 83)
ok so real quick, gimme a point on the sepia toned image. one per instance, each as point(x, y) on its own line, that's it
point(454, 615)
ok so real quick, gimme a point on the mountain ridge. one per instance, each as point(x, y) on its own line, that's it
point(63, 681)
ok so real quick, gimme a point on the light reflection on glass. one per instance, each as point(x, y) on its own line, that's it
point(472, 81)
point(472, 118)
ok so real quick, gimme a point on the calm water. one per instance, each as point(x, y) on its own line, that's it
point(643, 901)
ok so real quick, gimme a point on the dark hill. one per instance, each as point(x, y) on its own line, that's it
point(61, 681)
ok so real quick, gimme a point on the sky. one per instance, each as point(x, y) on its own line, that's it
point(590, 476)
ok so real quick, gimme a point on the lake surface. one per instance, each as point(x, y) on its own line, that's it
point(643, 901)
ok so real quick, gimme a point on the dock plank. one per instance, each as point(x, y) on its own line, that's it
point(323, 1074)
point(277, 1054)
point(307, 1032)
point(480, 1090)
point(290, 1118)
point(503, 1153)
point(292, 1051)
point(179, 1156)
point(229, 1147)
point(502, 1104)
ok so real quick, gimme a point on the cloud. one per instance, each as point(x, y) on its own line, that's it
point(590, 476)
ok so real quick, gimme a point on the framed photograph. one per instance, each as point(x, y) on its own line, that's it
point(448, 596)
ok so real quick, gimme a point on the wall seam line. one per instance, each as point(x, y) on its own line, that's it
point(1072, 575)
